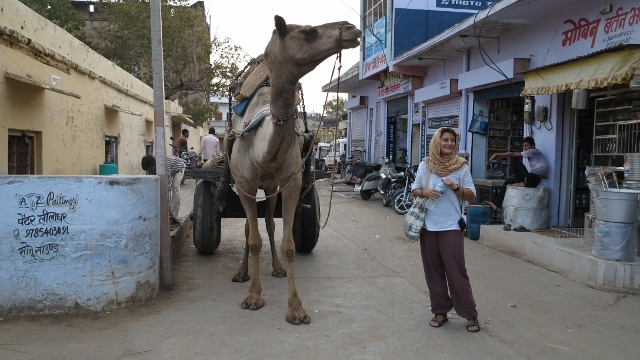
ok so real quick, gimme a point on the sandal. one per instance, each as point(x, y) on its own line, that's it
point(474, 323)
point(520, 229)
point(440, 322)
point(507, 227)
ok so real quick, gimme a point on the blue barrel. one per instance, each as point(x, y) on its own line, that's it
point(476, 216)
point(108, 168)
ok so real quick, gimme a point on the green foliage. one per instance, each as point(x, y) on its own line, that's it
point(60, 12)
point(335, 105)
point(195, 67)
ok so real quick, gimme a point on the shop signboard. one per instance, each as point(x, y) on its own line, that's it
point(423, 134)
point(587, 30)
point(399, 87)
point(417, 21)
point(374, 39)
point(374, 65)
point(375, 47)
point(391, 139)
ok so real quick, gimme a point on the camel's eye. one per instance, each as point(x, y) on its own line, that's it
point(310, 34)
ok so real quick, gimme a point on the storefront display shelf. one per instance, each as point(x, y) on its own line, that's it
point(615, 131)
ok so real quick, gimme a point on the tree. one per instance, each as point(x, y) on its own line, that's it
point(195, 67)
point(335, 105)
point(59, 12)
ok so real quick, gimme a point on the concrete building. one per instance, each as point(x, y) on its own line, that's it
point(513, 63)
point(65, 108)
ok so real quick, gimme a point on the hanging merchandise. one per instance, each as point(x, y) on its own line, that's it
point(479, 124)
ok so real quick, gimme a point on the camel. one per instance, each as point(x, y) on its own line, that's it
point(268, 157)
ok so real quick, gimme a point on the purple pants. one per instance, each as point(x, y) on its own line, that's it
point(444, 269)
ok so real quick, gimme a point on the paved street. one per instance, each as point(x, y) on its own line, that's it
point(363, 287)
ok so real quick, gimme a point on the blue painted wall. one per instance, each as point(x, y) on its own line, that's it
point(414, 27)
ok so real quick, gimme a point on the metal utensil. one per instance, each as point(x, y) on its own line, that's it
point(615, 178)
point(603, 179)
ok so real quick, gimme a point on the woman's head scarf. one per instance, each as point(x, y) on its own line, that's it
point(442, 165)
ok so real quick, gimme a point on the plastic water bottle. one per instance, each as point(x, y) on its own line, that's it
point(431, 204)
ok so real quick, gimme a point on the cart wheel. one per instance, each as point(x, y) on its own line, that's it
point(306, 226)
point(206, 219)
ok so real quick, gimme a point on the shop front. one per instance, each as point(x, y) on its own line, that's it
point(439, 107)
point(398, 119)
point(502, 109)
point(603, 107)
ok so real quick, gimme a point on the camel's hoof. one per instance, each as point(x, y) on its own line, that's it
point(279, 273)
point(252, 304)
point(294, 319)
point(240, 278)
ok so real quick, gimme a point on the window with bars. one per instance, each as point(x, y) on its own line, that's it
point(374, 10)
point(111, 149)
point(21, 155)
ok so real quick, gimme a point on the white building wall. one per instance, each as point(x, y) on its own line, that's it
point(69, 241)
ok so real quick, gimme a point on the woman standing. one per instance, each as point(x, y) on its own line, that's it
point(441, 240)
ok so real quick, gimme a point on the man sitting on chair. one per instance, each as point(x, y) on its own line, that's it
point(524, 175)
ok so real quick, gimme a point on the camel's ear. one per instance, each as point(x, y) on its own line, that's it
point(281, 26)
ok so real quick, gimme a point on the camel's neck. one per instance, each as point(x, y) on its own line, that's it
point(283, 100)
point(277, 139)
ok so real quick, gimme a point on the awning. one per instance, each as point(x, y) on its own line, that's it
point(592, 72)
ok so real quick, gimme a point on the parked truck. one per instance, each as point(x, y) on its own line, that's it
point(332, 160)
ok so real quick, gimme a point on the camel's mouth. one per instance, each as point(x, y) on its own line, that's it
point(352, 39)
point(350, 43)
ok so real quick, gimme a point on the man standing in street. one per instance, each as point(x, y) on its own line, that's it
point(175, 173)
point(210, 146)
point(181, 144)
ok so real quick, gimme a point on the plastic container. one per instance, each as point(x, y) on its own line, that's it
point(618, 206)
point(431, 204)
point(108, 168)
point(476, 216)
point(614, 241)
point(537, 198)
point(530, 218)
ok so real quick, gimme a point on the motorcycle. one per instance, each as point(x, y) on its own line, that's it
point(369, 177)
point(347, 167)
point(403, 199)
point(190, 158)
point(390, 185)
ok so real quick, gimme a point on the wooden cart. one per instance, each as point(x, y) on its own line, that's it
point(213, 200)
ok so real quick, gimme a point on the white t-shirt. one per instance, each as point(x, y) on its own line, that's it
point(447, 212)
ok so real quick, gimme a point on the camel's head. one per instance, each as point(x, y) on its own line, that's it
point(300, 48)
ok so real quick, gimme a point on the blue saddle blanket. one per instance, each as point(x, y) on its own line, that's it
point(241, 107)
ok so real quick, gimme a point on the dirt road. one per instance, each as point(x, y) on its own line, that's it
point(363, 287)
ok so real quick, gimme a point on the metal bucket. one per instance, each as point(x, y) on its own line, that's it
point(619, 206)
point(631, 185)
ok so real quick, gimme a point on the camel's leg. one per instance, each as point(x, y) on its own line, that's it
point(278, 270)
point(296, 314)
point(243, 272)
point(254, 300)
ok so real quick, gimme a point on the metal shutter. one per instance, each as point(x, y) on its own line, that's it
point(444, 108)
point(398, 106)
point(358, 124)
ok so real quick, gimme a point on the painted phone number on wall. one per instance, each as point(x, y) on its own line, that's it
point(46, 231)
